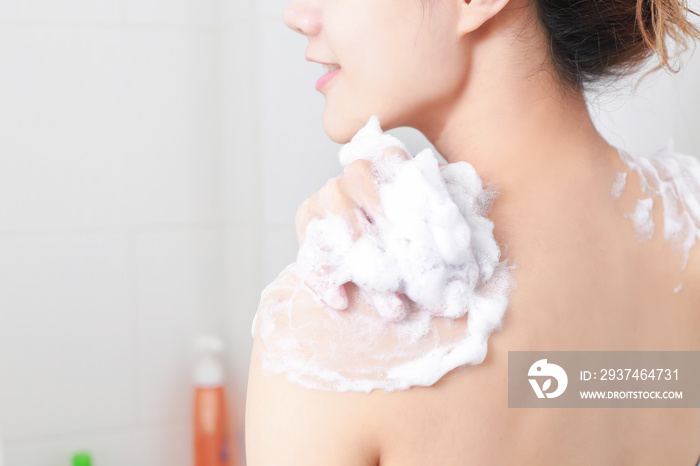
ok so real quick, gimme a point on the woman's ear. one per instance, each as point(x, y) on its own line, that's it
point(474, 13)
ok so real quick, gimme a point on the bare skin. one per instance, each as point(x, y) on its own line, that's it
point(584, 281)
point(567, 299)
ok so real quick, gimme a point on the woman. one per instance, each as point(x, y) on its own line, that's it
point(498, 83)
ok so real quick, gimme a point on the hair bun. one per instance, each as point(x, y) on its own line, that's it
point(594, 39)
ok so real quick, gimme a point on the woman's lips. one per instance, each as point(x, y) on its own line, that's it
point(325, 78)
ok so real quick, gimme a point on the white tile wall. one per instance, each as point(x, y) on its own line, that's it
point(237, 12)
point(126, 130)
point(298, 157)
point(281, 247)
point(66, 334)
point(243, 252)
point(73, 10)
point(178, 293)
point(147, 445)
point(243, 191)
point(639, 121)
point(111, 225)
point(272, 9)
point(686, 101)
point(241, 114)
point(191, 12)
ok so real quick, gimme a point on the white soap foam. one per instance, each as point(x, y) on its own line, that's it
point(643, 219)
point(673, 178)
point(618, 185)
point(433, 244)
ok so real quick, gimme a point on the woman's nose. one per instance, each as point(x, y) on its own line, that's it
point(303, 16)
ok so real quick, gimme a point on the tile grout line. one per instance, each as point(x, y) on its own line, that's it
point(120, 24)
point(99, 431)
point(134, 309)
point(112, 229)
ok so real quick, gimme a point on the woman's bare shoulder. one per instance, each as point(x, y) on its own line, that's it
point(290, 422)
point(287, 424)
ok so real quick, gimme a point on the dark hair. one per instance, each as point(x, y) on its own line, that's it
point(595, 39)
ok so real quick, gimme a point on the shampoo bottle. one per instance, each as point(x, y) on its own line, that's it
point(210, 423)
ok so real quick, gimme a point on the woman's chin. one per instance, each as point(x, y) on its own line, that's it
point(340, 130)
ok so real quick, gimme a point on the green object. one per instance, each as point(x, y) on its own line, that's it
point(82, 459)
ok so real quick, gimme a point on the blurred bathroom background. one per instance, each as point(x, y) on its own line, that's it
point(153, 154)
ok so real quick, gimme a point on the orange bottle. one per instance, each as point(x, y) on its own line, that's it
point(210, 424)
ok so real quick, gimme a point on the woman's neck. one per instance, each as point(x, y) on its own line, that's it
point(514, 139)
point(509, 119)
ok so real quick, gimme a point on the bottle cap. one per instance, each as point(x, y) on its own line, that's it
point(208, 372)
point(207, 343)
point(82, 459)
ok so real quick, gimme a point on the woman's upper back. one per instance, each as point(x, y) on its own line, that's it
point(583, 263)
point(584, 282)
